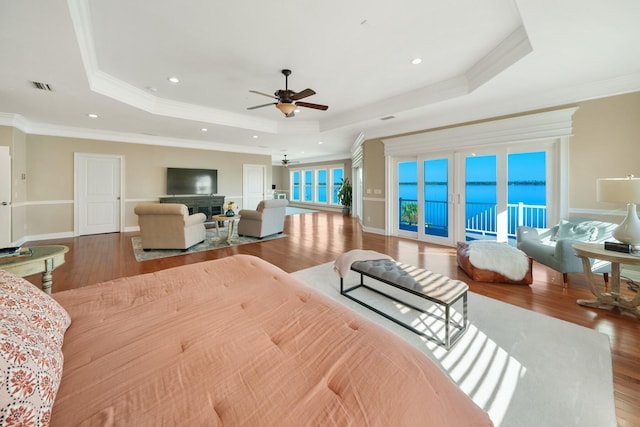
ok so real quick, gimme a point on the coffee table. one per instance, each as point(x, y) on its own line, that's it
point(44, 259)
point(222, 218)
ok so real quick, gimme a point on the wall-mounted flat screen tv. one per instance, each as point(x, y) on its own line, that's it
point(181, 181)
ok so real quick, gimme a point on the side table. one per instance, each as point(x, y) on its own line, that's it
point(222, 218)
point(44, 259)
point(608, 300)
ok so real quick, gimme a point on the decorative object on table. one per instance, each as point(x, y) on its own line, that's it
point(14, 252)
point(623, 190)
point(229, 208)
point(345, 194)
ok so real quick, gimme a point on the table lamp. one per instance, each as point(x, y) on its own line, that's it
point(624, 190)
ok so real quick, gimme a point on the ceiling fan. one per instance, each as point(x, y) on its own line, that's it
point(286, 162)
point(287, 99)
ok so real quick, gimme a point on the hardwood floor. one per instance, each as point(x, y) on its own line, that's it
point(320, 237)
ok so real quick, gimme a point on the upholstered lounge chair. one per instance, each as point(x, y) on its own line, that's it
point(267, 219)
point(169, 226)
point(553, 246)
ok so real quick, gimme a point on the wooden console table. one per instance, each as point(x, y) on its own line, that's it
point(608, 300)
point(208, 205)
point(44, 259)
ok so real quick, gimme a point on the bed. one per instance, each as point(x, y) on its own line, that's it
point(230, 342)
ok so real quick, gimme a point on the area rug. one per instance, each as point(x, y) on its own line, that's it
point(291, 210)
point(212, 241)
point(523, 368)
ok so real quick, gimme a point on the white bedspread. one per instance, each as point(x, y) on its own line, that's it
point(499, 257)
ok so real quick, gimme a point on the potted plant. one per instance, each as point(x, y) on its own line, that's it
point(344, 196)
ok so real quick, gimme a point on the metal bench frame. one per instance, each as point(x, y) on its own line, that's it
point(450, 338)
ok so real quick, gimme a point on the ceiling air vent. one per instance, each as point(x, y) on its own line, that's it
point(42, 86)
point(388, 118)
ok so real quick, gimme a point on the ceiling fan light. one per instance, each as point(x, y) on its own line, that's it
point(286, 107)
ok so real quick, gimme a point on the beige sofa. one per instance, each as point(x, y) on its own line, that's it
point(169, 226)
point(267, 219)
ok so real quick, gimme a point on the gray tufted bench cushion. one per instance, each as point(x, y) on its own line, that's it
point(422, 283)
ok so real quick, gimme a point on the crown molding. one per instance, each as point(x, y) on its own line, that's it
point(512, 49)
point(552, 124)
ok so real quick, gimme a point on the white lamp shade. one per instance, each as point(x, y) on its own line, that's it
point(622, 190)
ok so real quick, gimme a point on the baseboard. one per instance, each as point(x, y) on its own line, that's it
point(374, 230)
point(50, 236)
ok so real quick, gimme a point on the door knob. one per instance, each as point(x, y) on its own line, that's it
point(4, 203)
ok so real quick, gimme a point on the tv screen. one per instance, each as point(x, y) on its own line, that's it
point(192, 181)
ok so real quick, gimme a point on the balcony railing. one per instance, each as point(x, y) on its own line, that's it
point(481, 218)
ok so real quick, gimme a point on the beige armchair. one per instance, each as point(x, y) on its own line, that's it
point(169, 226)
point(267, 219)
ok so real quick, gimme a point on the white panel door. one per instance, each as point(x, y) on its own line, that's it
point(253, 185)
point(5, 197)
point(98, 193)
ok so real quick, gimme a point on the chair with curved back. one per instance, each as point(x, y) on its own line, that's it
point(169, 226)
point(265, 220)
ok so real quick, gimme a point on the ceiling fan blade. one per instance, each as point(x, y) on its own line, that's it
point(263, 94)
point(260, 106)
point(303, 94)
point(314, 106)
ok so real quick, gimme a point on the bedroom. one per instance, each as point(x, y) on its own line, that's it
point(604, 127)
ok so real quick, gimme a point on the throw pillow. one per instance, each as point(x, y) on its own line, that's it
point(581, 232)
point(564, 230)
point(32, 327)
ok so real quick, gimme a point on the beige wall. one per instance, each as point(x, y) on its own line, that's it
point(605, 143)
point(373, 181)
point(50, 176)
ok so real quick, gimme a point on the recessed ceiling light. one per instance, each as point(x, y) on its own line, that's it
point(416, 61)
point(255, 136)
point(320, 142)
point(204, 129)
point(174, 79)
point(93, 116)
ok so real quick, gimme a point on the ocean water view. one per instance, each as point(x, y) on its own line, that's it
point(530, 193)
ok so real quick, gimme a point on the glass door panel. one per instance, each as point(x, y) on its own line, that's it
point(527, 190)
point(436, 197)
point(408, 196)
point(481, 197)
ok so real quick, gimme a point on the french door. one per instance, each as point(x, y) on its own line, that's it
point(501, 189)
point(425, 198)
point(471, 195)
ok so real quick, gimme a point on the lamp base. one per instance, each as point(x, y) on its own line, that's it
point(629, 230)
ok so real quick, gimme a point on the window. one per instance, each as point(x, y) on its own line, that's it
point(295, 186)
point(336, 175)
point(312, 185)
point(308, 186)
point(321, 180)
